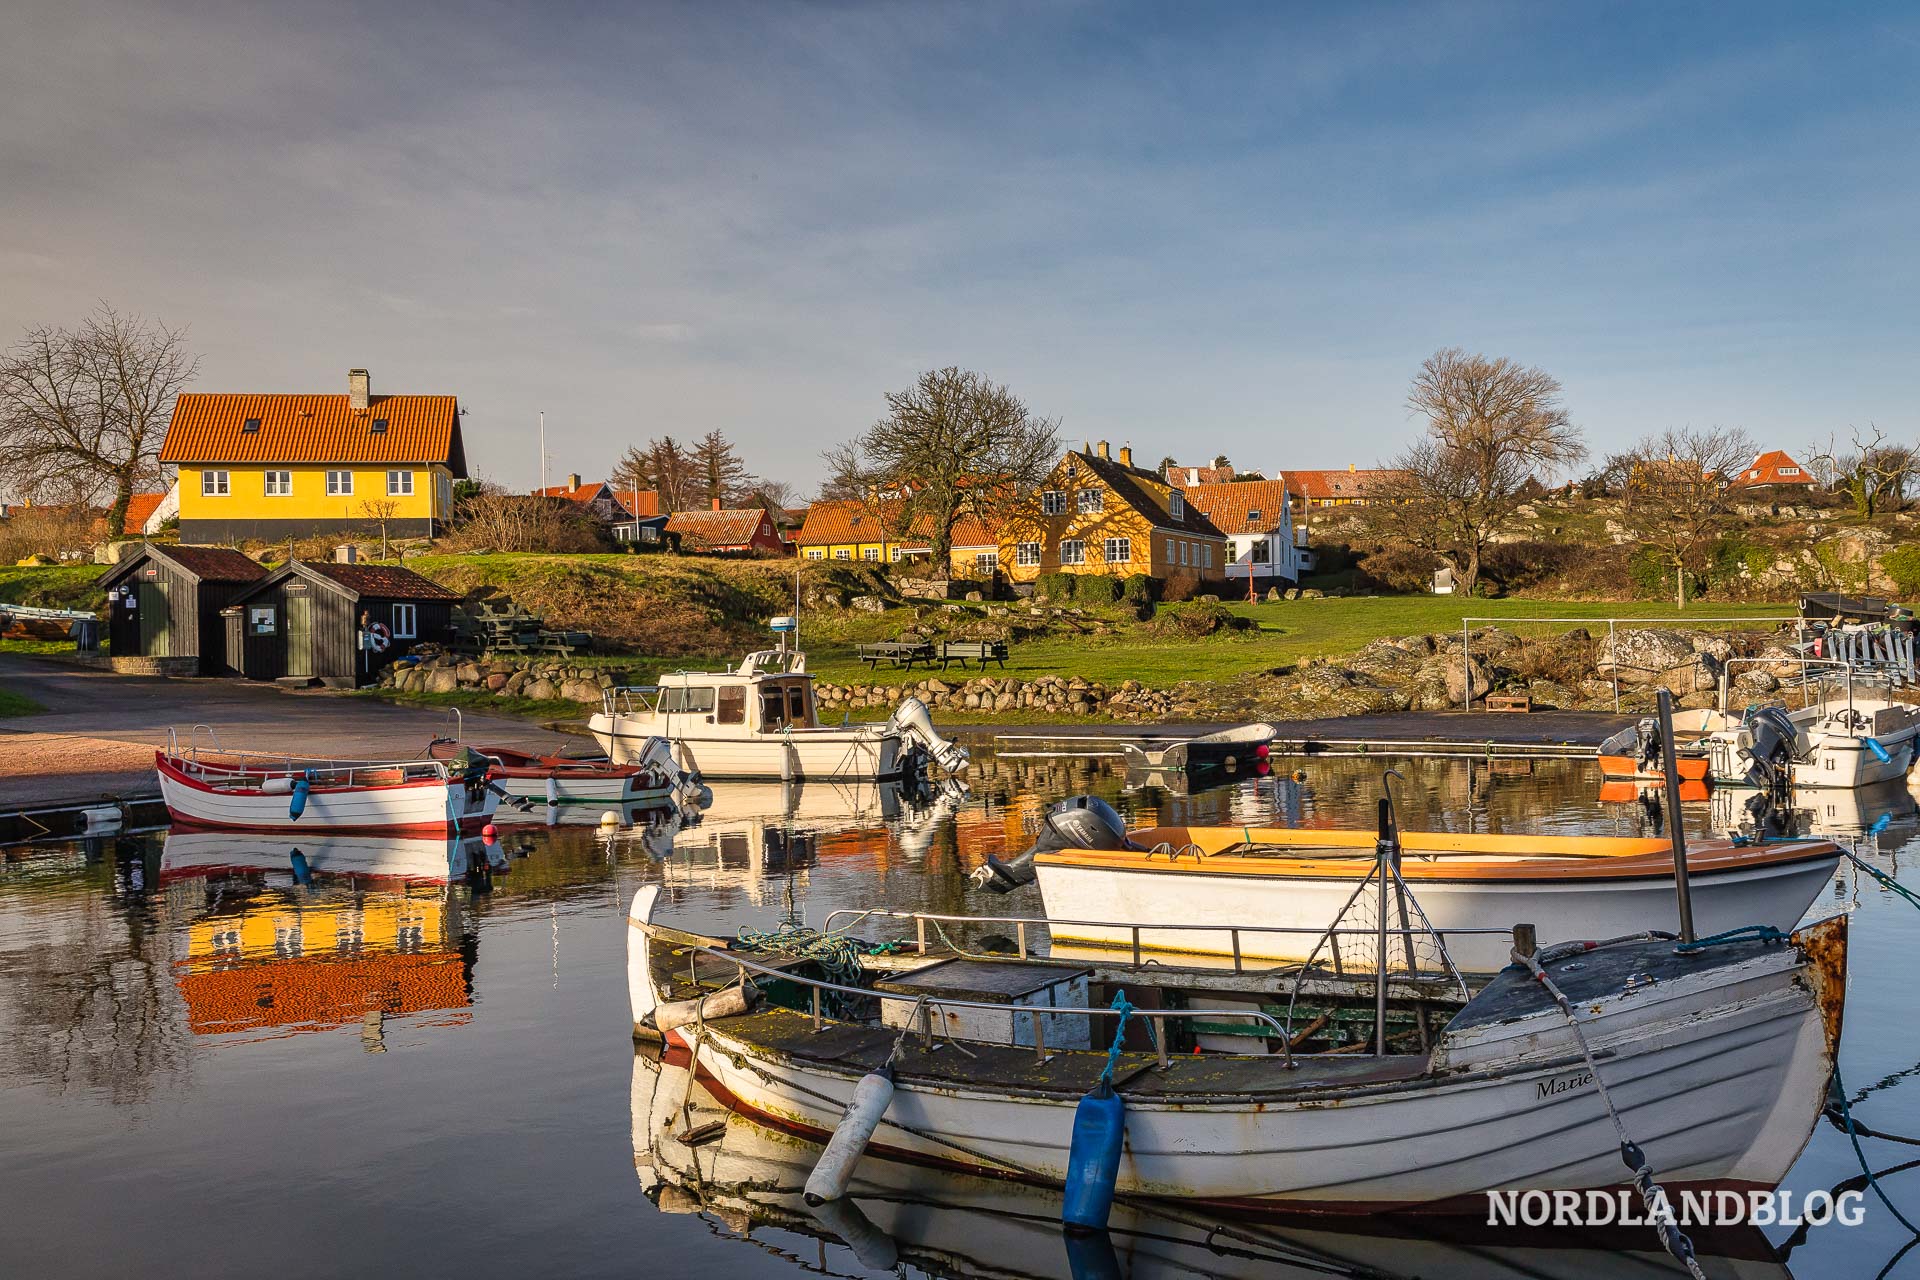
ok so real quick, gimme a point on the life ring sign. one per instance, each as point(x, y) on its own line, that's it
point(379, 637)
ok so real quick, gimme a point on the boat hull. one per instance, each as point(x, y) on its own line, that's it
point(1692, 768)
point(1722, 1093)
point(856, 753)
point(1559, 909)
point(424, 808)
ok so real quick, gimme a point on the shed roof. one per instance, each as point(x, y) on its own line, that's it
point(725, 528)
point(315, 429)
point(207, 564)
point(385, 580)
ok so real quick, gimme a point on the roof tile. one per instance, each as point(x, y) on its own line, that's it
point(320, 428)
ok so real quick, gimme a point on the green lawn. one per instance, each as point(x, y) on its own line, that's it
point(1287, 632)
point(17, 704)
point(65, 586)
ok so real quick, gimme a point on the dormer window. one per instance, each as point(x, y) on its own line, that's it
point(1253, 516)
point(1176, 506)
point(379, 426)
point(250, 426)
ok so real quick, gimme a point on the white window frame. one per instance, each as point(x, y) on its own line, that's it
point(216, 484)
point(339, 484)
point(406, 622)
point(277, 484)
point(1789, 471)
point(988, 560)
point(1090, 501)
point(895, 556)
point(1119, 550)
point(1206, 549)
point(1053, 502)
point(816, 553)
point(843, 553)
point(1176, 505)
point(1026, 554)
point(399, 484)
point(870, 554)
point(1073, 551)
point(1261, 551)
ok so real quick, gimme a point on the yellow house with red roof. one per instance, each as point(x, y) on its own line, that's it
point(268, 467)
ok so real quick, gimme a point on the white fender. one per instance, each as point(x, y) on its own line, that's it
point(873, 1247)
point(640, 992)
point(871, 1098)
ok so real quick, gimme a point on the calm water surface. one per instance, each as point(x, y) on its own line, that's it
point(190, 1083)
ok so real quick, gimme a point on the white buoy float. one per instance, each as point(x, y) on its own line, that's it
point(609, 819)
point(874, 1248)
point(871, 1098)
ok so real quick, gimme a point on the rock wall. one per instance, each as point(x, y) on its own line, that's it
point(544, 680)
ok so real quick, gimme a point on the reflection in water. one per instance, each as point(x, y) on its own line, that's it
point(145, 968)
point(747, 1179)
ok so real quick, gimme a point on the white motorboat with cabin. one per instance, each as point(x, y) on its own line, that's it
point(1852, 731)
point(760, 721)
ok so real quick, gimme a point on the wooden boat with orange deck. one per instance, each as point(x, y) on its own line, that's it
point(1266, 879)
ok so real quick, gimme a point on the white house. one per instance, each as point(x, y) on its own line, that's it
point(1257, 517)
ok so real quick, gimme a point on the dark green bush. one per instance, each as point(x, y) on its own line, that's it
point(1096, 589)
point(1139, 589)
point(1902, 564)
point(1057, 587)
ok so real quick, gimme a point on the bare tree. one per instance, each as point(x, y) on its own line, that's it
point(1492, 426)
point(1681, 502)
point(87, 408)
point(497, 521)
point(664, 467)
point(380, 511)
point(774, 495)
point(954, 444)
point(1873, 472)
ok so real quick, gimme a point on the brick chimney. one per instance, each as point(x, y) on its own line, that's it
point(716, 504)
point(1126, 455)
point(1101, 445)
point(359, 387)
point(573, 480)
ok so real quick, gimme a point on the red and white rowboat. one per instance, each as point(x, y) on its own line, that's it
point(245, 791)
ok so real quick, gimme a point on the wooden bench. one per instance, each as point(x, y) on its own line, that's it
point(1515, 702)
point(898, 653)
point(980, 651)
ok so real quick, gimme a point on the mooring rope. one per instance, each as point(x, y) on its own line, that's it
point(1673, 1239)
point(1837, 1097)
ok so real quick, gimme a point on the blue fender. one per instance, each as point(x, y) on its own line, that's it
point(1093, 1162)
point(1874, 746)
point(298, 805)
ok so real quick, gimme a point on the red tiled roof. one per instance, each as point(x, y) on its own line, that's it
point(1771, 468)
point(583, 493)
point(141, 506)
point(848, 520)
point(1350, 483)
point(316, 429)
point(716, 530)
point(1232, 506)
point(972, 531)
point(380, 580)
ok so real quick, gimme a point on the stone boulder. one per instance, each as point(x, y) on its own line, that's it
point(540, 690)
point(578, 690)
point(1644, 657)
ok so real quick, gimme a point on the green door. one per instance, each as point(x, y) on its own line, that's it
point(299, 634)
point(156, 628)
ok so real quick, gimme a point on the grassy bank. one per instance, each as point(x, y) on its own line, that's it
point(17, 704)
point(65, 586)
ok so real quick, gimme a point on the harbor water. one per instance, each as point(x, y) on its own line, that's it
point(221, 1059)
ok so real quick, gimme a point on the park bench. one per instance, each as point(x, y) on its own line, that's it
point(980, 651)
point(897, 653)
point(1517, 702)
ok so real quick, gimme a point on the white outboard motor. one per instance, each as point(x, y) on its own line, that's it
point(911, 721)
point(658, 755)
point(1083, 822)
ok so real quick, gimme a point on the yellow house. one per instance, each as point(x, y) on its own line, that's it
point(267, 467)
point(848, 529)
point(1101, 514)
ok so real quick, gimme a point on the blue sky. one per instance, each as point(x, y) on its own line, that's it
point(1198, 228)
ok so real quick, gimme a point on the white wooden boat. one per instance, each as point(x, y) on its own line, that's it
point(1280, 888)
point(760, 721)
point(1240, 747)
point(962, 1226)
point(1717, 1060)
point(251, 791)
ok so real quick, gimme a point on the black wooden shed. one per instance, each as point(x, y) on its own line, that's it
point(164, 603)
point(306, 619)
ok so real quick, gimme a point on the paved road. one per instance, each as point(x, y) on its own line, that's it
point(99, 731)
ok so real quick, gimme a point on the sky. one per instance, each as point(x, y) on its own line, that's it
point(1198, 229)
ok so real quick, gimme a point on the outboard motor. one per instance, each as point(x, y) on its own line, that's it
point(1767, 746)
point(1083, 822)
point(911, 721)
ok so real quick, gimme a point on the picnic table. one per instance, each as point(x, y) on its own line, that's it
point(898, 653)
point(980, 651)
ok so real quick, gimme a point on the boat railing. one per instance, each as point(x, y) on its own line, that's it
point(1813, 672)
point(928, 1004)
point(629, 699)
point(845, 918)
point(233, 766)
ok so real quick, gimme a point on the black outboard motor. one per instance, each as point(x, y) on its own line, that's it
point(1769, 749)
point(1083, 822)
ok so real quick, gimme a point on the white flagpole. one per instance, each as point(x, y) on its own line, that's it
point(543, 453)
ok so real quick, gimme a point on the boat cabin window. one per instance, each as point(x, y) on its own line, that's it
point(773, 708)
point(687, 699)
point(797, 704)
point(733, 705)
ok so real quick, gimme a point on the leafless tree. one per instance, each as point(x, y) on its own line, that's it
point(954, 444)
point(498, 521)
point(1681, 501)
point(87, 408)
point(663, 466)
point(774, 495)
point(1492, 425)
point(718, 472)
point(379, 511)
point(1872, 471)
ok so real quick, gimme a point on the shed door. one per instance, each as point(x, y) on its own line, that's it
point(156, 625)
point(299, 634)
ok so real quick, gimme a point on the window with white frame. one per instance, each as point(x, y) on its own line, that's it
point(1206, 549)
point(1053, 502)
point(1262, 552)
point(1092, 501)
point(339, 484)
point(279, 484)
point(1073, 551)
point(215, 484)
point(399, 484)
point(1026, 553)
point(870, 553)
point(1119, 550)
point(1176, 505)
point(1789, 471)
point(843, 553)
point(1184, 552)
point(816, 553)
point(405, 622)
point(985, 561)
